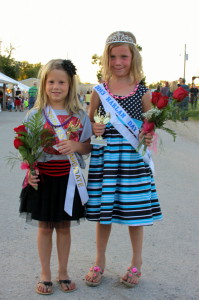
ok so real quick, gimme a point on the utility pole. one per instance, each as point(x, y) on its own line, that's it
point(185, 59)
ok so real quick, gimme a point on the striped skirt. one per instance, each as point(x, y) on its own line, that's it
point(121, 186)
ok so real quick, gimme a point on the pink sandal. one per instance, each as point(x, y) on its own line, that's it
point(131, 271)
point(96, 272)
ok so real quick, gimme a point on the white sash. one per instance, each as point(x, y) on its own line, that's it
point(117, 112)
point(75, 176)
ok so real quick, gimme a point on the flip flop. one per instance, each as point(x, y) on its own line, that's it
point(67, 282)
point(131, 271)
point(47, 285)
point(96, 272)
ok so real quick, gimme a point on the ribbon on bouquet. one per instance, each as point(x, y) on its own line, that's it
point(26, 166)
point(75, 176)
point(120, 118)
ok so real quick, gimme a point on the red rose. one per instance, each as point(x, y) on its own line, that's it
point(148, 126)
point(155, 97)
point(20, 128)
point(162, 102)
point(18, 143)
point(179, 94)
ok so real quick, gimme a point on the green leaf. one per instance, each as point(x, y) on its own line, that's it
point(170, 131)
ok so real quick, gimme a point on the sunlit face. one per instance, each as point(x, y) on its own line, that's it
point(57, 87)
point(120, 61)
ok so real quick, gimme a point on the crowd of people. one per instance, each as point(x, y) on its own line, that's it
point(19, 101)
point(193, 93)
point(170, 87)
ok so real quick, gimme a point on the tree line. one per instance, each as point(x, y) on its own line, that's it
point(18, 70)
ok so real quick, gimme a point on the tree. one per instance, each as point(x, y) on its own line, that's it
point(16, 69)
point(28, 70)
point(96, 60)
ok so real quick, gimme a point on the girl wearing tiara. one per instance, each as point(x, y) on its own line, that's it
point(121, 186)
point(58, 200)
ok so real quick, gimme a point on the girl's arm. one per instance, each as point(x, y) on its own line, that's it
point(146, 105)
point(98, 128)
point(146, 101)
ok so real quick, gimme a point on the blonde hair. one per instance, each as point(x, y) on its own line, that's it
point(72, 104)
point(173, 86)
point(136, 71)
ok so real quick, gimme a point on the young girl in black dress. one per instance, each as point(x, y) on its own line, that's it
point(61, 193)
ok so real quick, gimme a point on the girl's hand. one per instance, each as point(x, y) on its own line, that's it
point(66, 147)
point(98, 129)
point(148, 138)
point(33, 179)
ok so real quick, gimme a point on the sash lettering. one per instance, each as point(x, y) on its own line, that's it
point(131, 133)
point(75, 176)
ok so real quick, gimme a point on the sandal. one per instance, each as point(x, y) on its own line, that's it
point(131, 271)
point(97, 272)
point(67, 283)
point(48, 285)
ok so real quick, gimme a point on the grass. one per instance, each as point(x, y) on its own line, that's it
point(196, 117)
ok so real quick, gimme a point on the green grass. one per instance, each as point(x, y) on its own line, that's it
point(196, 117)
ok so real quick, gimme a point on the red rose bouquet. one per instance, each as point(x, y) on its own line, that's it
point(161, 112)
point(30, 140)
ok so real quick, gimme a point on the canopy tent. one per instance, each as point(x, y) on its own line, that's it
point(8, 80)
point(4, 80)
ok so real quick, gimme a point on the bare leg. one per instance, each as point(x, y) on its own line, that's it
point(136, 236)
point(63, 250)
point(44, 242)
point(102, 236)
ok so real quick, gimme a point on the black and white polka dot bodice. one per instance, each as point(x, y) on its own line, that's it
point(132, 104)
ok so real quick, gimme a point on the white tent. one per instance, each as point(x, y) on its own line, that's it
point(8, 80)
point(5, 80)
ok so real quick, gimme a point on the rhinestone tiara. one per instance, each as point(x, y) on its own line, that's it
point(119, 37)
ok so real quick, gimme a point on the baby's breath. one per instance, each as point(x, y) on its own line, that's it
point(152, 112)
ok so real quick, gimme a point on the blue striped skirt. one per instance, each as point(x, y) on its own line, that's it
point(121, 186)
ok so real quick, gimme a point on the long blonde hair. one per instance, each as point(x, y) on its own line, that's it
point(173, 86)
point(72, 104)
point(136, 72)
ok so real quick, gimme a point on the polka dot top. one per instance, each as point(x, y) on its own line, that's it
point(132, 103)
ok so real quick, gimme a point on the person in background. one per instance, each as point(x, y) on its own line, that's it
point(32, 95)
point(25, 103)
point(22, 104)
point(87, 100)
point(18, 92)
point(173, 87)
point(157, 90)
point(17, 103)
point(165, 90)
point(184, 104)
point(10, 104)
point(81, 97)
point(193, 96)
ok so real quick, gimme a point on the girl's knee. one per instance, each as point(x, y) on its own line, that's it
point(45, 230)
point(63, 231)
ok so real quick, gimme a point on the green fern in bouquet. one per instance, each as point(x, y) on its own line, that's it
point(30, 140)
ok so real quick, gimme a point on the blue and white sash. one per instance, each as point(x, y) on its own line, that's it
point(120, 118)
point(75, 175)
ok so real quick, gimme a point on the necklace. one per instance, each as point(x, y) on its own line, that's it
point(53, 125)
point(122, 97)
